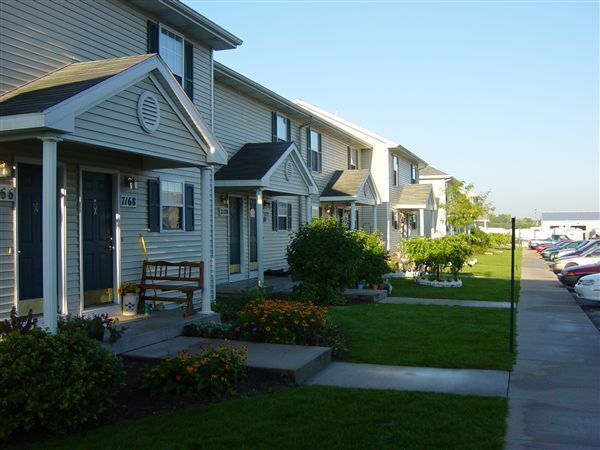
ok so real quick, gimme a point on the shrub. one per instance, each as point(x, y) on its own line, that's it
point(208, 330)
point(434, 256)
point(287, 322)
point(499, 240)
point(93, 327)
point(480, 240)
point(230, 307)
point(54, 383)
point(212, 372)
point(22, 325)
point(328, 256)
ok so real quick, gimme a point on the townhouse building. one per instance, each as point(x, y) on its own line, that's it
point(285, 167)
point(106, 148)
point(407, 208)
point(439, 181)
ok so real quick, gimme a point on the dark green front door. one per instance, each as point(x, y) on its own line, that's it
point(97, 237)
point(235, 235)
point(29, 219)
point(253, 240)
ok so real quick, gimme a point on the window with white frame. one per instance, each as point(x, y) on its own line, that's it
point(282, 215)
point(170, 48)
point(282, 128)
point(413, 174)
point(396, 170)
point(395, 219)
point(314, 145)
point(172, 204)
point(352, 158)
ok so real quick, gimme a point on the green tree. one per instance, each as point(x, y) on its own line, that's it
point(463, 207)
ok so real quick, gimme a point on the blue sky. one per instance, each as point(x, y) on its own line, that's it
point(501, 94)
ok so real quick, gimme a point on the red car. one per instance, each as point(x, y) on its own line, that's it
point(542, 247)
point(571, 275)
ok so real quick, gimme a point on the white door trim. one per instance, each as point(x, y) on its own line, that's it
point(115, 307)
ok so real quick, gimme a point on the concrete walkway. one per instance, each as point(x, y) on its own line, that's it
point(453, 381)
point(554, 393)
point(444, 302)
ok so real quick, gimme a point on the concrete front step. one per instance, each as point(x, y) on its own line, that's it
point(364, 295)
point(142, 331)
point(299, 362)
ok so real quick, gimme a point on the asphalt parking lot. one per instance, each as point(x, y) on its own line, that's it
point(592, 309)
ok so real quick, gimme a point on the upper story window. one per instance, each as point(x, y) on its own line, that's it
point(170, 48)
point(176, 52)
point(413, 174)
point(352, 158)
point(282, 128)
point(395, 170)
point(314, 150)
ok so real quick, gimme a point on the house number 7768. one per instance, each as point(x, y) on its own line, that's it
point(128, 201)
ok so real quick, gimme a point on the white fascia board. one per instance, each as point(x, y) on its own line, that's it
point(239, 183)
point(347, 198)
point(21, 122)
point(403, 206)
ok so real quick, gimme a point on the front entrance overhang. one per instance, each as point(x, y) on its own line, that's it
point(351, 186)
point(56, 103)
point(271, 167)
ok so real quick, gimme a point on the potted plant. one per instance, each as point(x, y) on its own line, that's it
point(128, 292)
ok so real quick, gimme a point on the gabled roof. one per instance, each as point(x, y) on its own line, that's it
point(415, 196)
point(52, 102)
point(430, 171)
point(347, 185)
point(253, 165)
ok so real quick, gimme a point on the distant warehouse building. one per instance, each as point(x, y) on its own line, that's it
point(588, 221)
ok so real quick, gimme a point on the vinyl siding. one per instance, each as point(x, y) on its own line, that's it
point(295, 184)
point(174, 246)
point(115, 122)
point(276, 242)
point(7, 257)
point(39, 37)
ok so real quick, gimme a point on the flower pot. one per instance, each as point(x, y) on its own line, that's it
point(361, 286)
point(130, 304)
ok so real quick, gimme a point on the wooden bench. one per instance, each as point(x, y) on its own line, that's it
point(186, 277)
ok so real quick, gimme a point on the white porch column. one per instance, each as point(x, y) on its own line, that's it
point(308, 209)
point(49, 233)
point(374, 218)
point(260, 238)
point(353, 215)
point(205, 236)
point(421, 222)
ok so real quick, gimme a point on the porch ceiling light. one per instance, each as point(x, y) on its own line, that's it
point(5, 169)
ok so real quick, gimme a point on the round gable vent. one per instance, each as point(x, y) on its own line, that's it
point(148, 112)
point(289, 170)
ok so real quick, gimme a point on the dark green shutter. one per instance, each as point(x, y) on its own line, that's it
point(289, 130)
point(320, 153)
point(189, 207)
point(308, 152)
point(289, 216)
point(349, 158)
point(152, 32)
point(274, 126)
point(188, 69)
point(153, 205)
point(275, 221)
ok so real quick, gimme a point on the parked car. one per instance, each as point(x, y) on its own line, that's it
point(564, 245)
point(534, 243)
point(588, 287)
point(590, 255)
point(571, 275)
point(583, 245)
point(559, 244)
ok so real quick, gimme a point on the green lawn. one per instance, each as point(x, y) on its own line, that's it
point(425, 335)
point(313, 418)
point(496, 265)
point(487, 289)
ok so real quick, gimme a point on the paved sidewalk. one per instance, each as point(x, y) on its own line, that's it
point(444, 302)
point(554, 393)
point(492, 383)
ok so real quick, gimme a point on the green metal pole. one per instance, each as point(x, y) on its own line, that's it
point(512, 288)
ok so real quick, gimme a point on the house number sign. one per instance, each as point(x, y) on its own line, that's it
point(7, 193)
point(128, 201)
